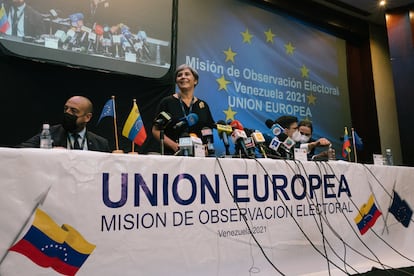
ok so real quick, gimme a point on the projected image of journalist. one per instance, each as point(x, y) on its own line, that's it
point(189, 114)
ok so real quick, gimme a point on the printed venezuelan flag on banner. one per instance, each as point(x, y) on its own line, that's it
point(48, 245)
point(367, 216)
point(134, 128)
point(4, 23)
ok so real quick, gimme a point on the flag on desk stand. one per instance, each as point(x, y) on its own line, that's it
point(346, 147)
point(367, 215)
point(109, 111)
point(134, 128)
point(357, 143)
point(4, 22)
point(401, 210)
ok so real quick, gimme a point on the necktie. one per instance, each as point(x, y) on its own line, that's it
point(76, 141)
point(14, 22)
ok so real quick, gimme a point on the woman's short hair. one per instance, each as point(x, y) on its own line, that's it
point(185, 66)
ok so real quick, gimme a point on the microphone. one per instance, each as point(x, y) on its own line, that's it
point(250, 146)
point(187, 121)
point(162, 120)
point(190, 145)
point(282, 145)
point(107, 39)
point(69, 35)
point(53, 13)
point(186, 145)
point(61, 35)
point(74, 18)
point(275, 128)
point(224, 130)
point(269, 123)
point(259, 140)
point(235, 124)
point(99, 33)
point(207, 138)
point(238, 137)
point(126, 33)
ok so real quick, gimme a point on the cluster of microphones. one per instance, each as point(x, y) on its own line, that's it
point(247, 143)
point(114, 41)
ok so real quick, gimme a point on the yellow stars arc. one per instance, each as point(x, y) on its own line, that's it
point(311, 99)
point(247, 37)
point(229, 113)
point(269, 35)
point(222, 83)
point(229, 55)
point(305, 71)
point(289, 48)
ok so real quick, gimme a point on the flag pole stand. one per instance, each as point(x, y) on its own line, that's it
point(353, 142)
point(133, 149)
point(117, 150)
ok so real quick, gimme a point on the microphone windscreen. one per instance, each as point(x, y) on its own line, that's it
point(258, 137)
point(76, 17)
point(192, 119)
point(206, 131)
point(269, 123)
point(99, 29)
point(236, 125)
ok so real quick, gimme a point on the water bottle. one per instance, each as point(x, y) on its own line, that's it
point(388, 158)
point(45, 137)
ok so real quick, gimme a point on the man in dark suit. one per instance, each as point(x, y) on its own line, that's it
point(72, 133)
point(24, 20)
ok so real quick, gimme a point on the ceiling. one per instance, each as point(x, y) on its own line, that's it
point(366, 9)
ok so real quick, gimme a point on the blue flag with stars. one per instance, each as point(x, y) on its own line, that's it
point(401, 210)
point(108, 110)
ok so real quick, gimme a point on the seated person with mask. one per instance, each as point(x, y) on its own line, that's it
point(305, 128)
point(72, 133)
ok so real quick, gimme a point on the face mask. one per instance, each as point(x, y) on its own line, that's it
point(304, 139)
point(69, 122)
point(296, 136)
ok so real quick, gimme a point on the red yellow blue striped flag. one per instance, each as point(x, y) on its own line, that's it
point(4, 23)
point(134, 128)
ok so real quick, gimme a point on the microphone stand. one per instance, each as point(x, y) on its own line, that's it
point(162, 140)
point(227, 147)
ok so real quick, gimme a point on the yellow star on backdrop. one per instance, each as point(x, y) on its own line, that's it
point(222, 83)
point(229, 114)
point(311, 99)
point(289, 48)
point(247, 37)
point(229, 55)
point(269, 35)
point(305, 71)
